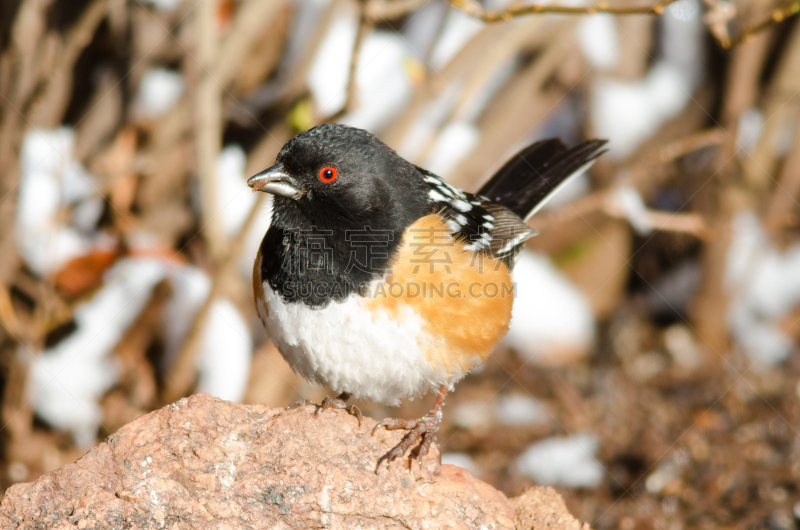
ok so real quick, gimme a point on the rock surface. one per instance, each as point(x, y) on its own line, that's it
point(207, 463)
point(539, 508)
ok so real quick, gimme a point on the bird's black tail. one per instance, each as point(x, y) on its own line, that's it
point(532, 176)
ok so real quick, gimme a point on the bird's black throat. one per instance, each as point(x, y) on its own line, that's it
point(319, 260)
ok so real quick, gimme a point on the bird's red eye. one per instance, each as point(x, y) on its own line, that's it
point(328, 174)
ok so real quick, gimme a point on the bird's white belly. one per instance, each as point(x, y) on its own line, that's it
point(351, 349)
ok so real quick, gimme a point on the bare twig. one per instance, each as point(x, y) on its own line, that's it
point(784, 197)
point(51, 106)
point(208, 118)
point(28, 34)
point(16, 411)
point(365, 26)
point(781, 108)
point(720, 201)
point(684, 223)
point(507, 45)
point(473, 9)
point(248, 27)
point(220, 62)
point(377, 10)
point(718, 27)
point(434, 85)
point(37, 57)
point(777, 16)
point(138, 376)
point(597, 201)
point(8, 317)
point(519, 107)
point(691, 143)
point(182, 374)
point(293, 83)
point(719, 14)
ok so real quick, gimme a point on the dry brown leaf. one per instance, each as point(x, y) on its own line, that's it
point(84, 272)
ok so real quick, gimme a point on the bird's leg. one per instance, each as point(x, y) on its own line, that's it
point(339, 402)
point(423, 429)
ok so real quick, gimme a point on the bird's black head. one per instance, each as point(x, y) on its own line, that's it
point(342, 202)
point(338, 177)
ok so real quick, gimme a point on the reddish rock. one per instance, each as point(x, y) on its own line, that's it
point(207, 463)
point(542, 508)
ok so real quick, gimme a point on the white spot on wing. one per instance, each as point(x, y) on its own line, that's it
point(513, 242)
point(453, 226)
point(461, 205)
point(435, 196)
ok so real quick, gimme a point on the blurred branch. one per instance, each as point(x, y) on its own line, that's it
point(247, 28)
point(511, 42)
point(434, 85)
point(220, 61)
point(377, 10)
point(781, 105)
point(289, 86)
point(741, 92)
point(16, 411)
point(208, 118)
point(370, 12)
point(691, 143)
point(182, 374)
point(785, 195)
point(718, 27)
point(51, 106)
point(666, 221)
point(365, 25)
point(138, 378)
point(29, 28)
point(599, 200)
point(717, 19)
point(473, 9)
point(8, 317)
point(525, 102)
point(790, 324)
point(38, 67)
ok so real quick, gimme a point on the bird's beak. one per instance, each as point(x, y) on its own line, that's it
point(277, 181)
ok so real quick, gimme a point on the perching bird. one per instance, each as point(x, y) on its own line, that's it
point(380, 280)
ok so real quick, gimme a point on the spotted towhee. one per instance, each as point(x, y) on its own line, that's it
point(380, 280)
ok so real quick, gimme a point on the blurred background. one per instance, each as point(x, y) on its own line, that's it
point(652, 372)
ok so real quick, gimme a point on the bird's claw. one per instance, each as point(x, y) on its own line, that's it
point(393, 424)
point(331, 403)
point(300, 403)
point(423, 429)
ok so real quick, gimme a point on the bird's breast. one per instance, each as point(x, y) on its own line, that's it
point(436, 313)
point(462, 297)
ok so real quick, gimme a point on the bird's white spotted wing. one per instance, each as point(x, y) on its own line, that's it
point(485, 226)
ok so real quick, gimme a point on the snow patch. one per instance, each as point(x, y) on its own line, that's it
point(568, 462)
point(550, 315)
